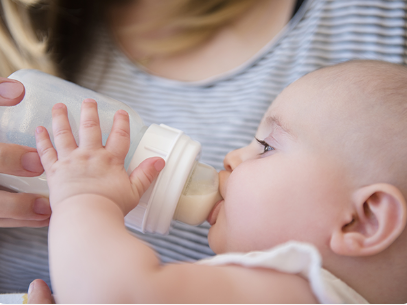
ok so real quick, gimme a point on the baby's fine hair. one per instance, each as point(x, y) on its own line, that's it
point(376, 143)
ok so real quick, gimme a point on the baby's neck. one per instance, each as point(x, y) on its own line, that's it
point(379, 279)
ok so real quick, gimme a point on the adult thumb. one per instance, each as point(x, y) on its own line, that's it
point(11, 92)
point(39, 293)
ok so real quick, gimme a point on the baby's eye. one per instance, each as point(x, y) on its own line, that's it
point(265, 146)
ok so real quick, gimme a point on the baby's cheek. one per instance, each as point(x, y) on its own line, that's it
point(212, 240)
point(240, 235)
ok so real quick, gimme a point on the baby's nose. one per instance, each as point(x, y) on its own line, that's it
point(232, 160)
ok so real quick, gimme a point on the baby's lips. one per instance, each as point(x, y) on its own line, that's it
point(213, 215)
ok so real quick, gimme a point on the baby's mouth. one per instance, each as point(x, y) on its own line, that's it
point(213, 215)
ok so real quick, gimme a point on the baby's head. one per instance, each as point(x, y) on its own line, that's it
point(329, 166)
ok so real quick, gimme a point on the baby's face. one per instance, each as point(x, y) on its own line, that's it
point(287, 184)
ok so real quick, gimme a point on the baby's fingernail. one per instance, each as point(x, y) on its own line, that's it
point(10, 90)
point(59, 105)
point(31, 162)
point(122, 112)
point(41, 206)
point(159, 165)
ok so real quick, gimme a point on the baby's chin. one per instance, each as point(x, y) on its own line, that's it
point(215, 243)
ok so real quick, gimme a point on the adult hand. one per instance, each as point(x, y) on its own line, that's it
point(39, 293)
point(11, 92)
point(20, 210)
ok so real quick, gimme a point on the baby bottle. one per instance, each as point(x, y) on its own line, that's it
point(185, 190)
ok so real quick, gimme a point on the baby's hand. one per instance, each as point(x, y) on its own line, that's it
point(92, 168)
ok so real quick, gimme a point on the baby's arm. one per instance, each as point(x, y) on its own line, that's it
point(92, 256)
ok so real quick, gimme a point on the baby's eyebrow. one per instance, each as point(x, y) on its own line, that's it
point(274, 121)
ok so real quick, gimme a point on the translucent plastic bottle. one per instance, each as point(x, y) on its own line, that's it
point(185, 190)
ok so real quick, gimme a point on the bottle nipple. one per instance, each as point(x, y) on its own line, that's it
point(200, 193)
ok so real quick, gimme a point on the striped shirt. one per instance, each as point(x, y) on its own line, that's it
point(222, 112)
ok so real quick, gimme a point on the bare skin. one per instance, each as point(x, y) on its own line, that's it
point(39, 293)
point(266, 18)
point(97, 203)
point(230, 47)
point(20, 210)
point(306, 189)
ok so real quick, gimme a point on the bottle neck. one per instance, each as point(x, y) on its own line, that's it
point(200, 194)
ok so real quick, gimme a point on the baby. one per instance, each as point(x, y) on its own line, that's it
point(314, 208)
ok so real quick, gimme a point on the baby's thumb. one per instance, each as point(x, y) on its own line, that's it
point(144, 174)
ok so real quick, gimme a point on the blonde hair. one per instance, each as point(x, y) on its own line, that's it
point(26, 42)
point(21, 46)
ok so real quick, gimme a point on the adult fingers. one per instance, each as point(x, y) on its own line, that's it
point(90, 134)
point(144, 174)
point(23, 206)
point(45, 149)
point(64, 140)
point(15, 223)
point(11, 92)
point(19, 160)
point(39, 293)
point(23, 210)
point(118, 141)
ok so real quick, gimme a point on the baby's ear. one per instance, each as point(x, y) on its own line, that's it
point(377, 218)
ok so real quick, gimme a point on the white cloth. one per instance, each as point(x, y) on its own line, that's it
point(295, 258)
point(13, 298)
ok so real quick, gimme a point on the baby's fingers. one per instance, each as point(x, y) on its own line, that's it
point(45, 149)
point(118, 142)
point(144, 174)
point(90, 134)
point(64, 140)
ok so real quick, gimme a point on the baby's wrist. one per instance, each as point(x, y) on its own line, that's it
point(84, 201)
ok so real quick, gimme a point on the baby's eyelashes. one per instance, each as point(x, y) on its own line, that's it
point(266, 146)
